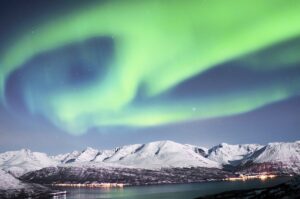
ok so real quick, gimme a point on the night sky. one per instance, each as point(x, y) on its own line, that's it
point(109, 73)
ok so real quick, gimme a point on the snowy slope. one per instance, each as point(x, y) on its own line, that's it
point(121, 152)
point(200, 150)
point(155, 155)
point(60, 157)
point(287, 153)
point(7, 181)
point(152, 155)
point(20, 162)
point(11, 187)
point(160, 154)
point(231, 154)
point(70, 157)
point(87, 155)
point(103, 155)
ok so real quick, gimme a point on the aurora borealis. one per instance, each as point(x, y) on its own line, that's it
point(145, 64)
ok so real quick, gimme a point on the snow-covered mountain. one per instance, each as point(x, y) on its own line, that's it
point(160, 154)
point(11, 187)
point(20, 162)
point(286, 153)
point(9, 182)
point(154, 155)
point(231, 154)
point(84, 156)
point(103, 155)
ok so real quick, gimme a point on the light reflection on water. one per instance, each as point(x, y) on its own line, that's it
point(176, 191)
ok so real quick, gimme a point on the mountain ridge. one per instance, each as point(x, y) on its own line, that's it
point(156, 155)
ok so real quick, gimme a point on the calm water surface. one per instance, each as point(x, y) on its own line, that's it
point(177, 191)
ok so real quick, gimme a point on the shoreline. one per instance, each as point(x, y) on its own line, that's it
point(262, 177)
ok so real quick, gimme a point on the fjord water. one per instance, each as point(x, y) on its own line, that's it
point(175, 191)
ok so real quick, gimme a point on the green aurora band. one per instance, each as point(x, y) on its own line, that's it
point(159, 44)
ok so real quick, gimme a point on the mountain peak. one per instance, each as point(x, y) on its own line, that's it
point(223, 144)
point(158, 154)
point(227, 154)
point(25, 150)
point(89, 149)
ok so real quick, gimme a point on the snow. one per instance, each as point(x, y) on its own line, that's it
point(287, 153)
point(20, 162)
point(70, 157)
point(103, 155)
point(160, 154)
point(200, 150)
point(9, 182)
point(87, 155)
point(155, 155)
point(60, 157)
point(152, 155)
point(231, 154)
point(122, 152)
